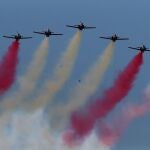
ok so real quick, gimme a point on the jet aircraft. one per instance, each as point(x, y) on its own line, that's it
point(47, 33)
point(80, 26)
point(17, 37)
point(114, 38)
point(142, 48)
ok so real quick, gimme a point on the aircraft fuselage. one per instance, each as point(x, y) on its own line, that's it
point(18, 37)
point(114, 38)
point(81, 27)
point(47, 34)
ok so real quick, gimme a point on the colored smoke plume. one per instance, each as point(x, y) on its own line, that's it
point(83, 122)
point(27, 82)
point(90, 82)
point(61, 74)
point(111, 132)
point(8, 67)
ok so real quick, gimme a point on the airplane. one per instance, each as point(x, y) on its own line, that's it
point(114, 38)
point(142, 48)
point(80, 26)
point(17, 37)
point(47, 33)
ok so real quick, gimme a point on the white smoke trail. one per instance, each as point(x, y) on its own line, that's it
point(91, 143)
point(90, 82)
point(147, 92)
point(5, 142)
point(61, 74)
point(27, 82)
point(31, 132)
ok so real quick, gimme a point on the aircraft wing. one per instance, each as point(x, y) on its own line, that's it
point(90, 27)
point(56, 34)
point(134, 48)
point(147, 50)
point(72, 26)
point(26, 37)
point(105, 37)
point(11, 37)
point(38, 32)
point(123, 39)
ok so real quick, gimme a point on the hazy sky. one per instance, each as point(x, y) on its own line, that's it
point(124, 17)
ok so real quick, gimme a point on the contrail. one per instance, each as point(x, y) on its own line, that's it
point(8, 67)
point(61, 74)
point(111, 132)
point(82, 122)
point(90, 82)
point(29, 80)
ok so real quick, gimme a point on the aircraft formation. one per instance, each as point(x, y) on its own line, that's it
point(80, 27)
point(96, 110)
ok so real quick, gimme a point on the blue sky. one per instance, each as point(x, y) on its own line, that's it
point(124, 17)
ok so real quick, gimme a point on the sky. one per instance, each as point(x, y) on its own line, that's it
point(124, 17)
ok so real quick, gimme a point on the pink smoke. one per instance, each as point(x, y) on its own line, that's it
point(111, 132)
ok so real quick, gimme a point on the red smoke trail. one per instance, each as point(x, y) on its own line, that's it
point(8, 67)
point(111, 132)
point(83, 123)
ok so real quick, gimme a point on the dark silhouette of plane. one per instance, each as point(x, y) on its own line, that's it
point(142, 48)
point(80, 26)
point(17, 37)
point(47, 33)
point(114, 38)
